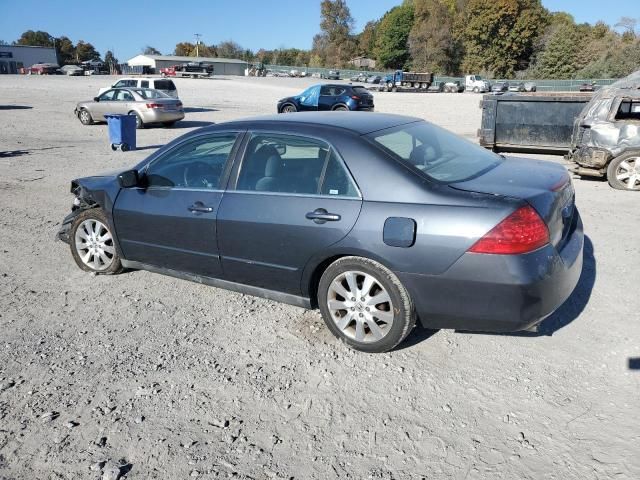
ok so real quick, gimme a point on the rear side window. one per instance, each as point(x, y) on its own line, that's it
point(360, 91)
point(292, 164)
point(164, 85)
point(434, 152)
point(629, 110)
point(144, 84)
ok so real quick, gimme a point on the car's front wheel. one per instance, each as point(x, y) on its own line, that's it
point(364, 304)
point(139, 123)
point(92, 244)
point(85, 117)
point(289, 108)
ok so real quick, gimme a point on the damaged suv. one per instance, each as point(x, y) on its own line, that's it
point(606, 135)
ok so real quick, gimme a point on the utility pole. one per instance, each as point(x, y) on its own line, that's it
point(197, 35)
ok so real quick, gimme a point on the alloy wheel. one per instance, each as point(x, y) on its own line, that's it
point(360, 306)
point(628, 172)
point(94, 244)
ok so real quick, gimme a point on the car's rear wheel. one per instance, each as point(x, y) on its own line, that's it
point(85, 117)
point(340, 108)
point(623, 172)
point(289, 108)
point(364, 304)
point(139, 122)
point(92, 244)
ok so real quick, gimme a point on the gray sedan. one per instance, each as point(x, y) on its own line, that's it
point(148, 105)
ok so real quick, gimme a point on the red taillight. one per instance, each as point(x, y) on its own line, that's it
point(155, 105)
point(355, 97)
point(521, 232)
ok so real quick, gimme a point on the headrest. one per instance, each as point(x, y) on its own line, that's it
point(273, 166)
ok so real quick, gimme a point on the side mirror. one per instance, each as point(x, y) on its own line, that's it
point(129, 179)
point(96, 99)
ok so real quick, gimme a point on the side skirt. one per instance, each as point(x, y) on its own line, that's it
point(287, 298)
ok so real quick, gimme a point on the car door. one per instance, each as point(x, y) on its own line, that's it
point(327, 97)
point(292, 198)
point(308, 100)
point(104, 105)
point(170, 222)
point(124, 102)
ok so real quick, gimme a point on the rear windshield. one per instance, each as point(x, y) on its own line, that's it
point(164, 85)
point(434, 152)
point(148, 93)
point(361, 90)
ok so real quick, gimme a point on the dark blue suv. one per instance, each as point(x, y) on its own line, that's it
point(328, 97)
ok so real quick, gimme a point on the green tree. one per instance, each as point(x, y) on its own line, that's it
point(335, 45)
point(35, 39)
point(111, 61)
point(392, 35)
point(149, 50)
point(367, 40)
point(499, 35)
point(65, 50)
point(229, 49)
point(185, 49)
point(432, 44)
point(560, 58)
point(85, 51)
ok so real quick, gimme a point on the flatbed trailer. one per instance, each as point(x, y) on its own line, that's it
point(188, 70)
point(400, 81)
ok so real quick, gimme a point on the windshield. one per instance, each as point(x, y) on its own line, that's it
point(433, 151)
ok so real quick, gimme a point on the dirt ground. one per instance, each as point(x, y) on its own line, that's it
point(141, 376)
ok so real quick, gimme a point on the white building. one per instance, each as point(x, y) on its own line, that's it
point(15, 57)
point(221, 66)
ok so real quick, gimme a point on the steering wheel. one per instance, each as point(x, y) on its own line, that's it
point(201, 175)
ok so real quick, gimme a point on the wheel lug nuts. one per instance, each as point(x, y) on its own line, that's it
point(353, 309)
point(362, 299)
point(362, 314)
point(367, 309)
point(353, 299)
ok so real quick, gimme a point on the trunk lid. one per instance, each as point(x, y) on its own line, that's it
point(544, 185)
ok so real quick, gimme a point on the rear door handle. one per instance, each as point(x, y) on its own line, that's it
point(320, 215)
point(200, 207)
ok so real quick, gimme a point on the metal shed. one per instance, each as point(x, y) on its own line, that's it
point(14, 57)
point(221, 66)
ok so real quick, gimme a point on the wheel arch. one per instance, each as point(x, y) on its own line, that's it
point(318, 265)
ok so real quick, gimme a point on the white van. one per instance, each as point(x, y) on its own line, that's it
point(165, 85)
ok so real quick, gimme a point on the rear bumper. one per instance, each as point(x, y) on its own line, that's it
point(155, 116)
point(499, 293)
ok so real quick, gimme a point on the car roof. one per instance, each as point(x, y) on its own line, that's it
point(358, 122)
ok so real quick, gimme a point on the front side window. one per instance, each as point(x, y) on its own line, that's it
point(292, 164)
point(124, 96)
point(197, 163)
point(310, 96)
point(435, 152)
point(107, 96)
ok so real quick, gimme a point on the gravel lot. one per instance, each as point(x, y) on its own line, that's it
point(142, 376)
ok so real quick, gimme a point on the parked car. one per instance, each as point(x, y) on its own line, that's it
point(332, 75)
point(43, 69)
point(360, 77)
point(605, 140)
point(436, 87)
point(149, 106)
point(500, 87)
point(378, 220)
point(72, 70)
point(588, 87)
point(530, 87)
point(375, 79)
point(164, 85)
point(517, 87)
point(328, 97)
point(453, 87)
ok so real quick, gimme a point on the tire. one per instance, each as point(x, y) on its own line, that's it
point(114, 147)
point(623, 172)
point(169, 124)
point(124, 147)
point(85, 117)
point(288, 108)
point(476, 90)
point(340, 108)
point(139, 123)
point(394, 89)
point(163, 75)
point(100, 256)
point(396, 313)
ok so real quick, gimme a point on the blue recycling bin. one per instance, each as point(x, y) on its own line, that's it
point(122, 131)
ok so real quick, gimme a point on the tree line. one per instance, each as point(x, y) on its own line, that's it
point(497, 38)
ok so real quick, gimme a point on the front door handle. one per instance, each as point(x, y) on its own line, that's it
point(200, 207)
point(320, 215)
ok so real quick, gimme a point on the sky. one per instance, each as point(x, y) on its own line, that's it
point(126, 26)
